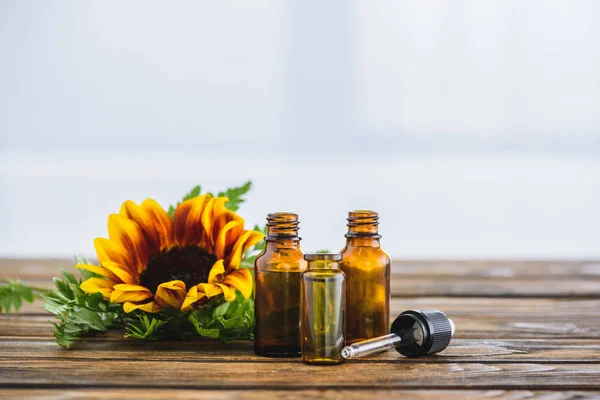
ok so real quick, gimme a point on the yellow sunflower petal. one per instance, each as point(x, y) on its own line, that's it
point(216, 272)
point(125, 287)
point(203, 224)
point(128, 233)
point(108, 250)
point(179, 218)
point(195, 232)
point(228, 293)
point(121, 272)
point(162, 222)
point(150, 307)
point(121, 297)
point(221, 241)
point(240, 279)
point(247, 240)
point(98, 285)
point(100, 271)
point(170, 294)
point(191, 297)
point(145, 221)
point(209, 289)
point(186, 227)
point(131, 293)
point(210, 219)
point(221, 217)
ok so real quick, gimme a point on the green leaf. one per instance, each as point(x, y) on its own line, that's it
point(195, 192)
point(13, 294)
point(69, 277)
point(84, 272)
point(235, 195)
point(66, 334)
point(77, 311)
point(56, 303)
point(203, 315)
point(87, 318)
point(171, 211)
point(233, 323)
point(147, 329)
point(202, 322)
point(225, 321)
point(213, 333)
point(222, 309)
point(94, 301)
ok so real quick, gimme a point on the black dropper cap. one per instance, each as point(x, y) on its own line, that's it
point(422, 332)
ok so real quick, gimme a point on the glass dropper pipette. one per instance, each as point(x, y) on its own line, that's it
point(415, 333)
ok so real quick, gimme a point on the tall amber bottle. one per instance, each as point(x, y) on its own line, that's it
point(367, 269)
point(278, 270)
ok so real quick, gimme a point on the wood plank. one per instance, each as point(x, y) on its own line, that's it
point(464, 279)
point(477, 306)
point(539, 269)
point(434, 286)
point(113, 347)
point(409, 286)
point(221, 375)
point(354, 394)
point(474, 317)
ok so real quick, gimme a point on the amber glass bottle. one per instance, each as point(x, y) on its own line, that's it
point(367, 269)
point(278, 269)
point(323, 297)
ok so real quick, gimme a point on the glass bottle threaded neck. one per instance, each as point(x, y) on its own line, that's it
point(323, 260)
point(363, 224)
point(282, 226)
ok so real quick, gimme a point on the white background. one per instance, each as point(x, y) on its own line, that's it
point(472, 127)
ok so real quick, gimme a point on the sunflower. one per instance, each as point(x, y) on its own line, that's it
point(150, 262)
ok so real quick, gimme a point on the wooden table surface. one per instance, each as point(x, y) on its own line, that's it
point(523, 330)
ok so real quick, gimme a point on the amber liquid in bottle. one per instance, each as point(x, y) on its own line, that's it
point(367, 269)
point(278, 269)
point(323, 297)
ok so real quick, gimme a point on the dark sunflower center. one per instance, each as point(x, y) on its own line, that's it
point(188, 264)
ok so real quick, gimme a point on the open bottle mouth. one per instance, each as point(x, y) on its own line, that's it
point(282, 225)
point(363, 223)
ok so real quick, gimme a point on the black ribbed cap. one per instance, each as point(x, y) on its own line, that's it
point(436, 330)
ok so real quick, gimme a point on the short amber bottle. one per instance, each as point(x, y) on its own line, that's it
point(323, 309)
point(367, 269)
point(278, 269)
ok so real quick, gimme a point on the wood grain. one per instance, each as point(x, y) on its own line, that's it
point(222, 375)
point(261, 394)
point(114, 347)
point(412, 278)
point(435, 286)
point(482, 306)
point(504, 318)
point(525, 330)
point(538, 269)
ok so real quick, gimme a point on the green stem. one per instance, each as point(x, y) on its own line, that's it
point(38, 290)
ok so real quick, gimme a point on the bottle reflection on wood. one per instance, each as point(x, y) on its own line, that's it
point(367, 269)
point(278, 271)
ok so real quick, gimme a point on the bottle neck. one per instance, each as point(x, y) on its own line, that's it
point(323, 264)
point(363, 242)
point(283, 244)
point(362, 224)
point(283, 228)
